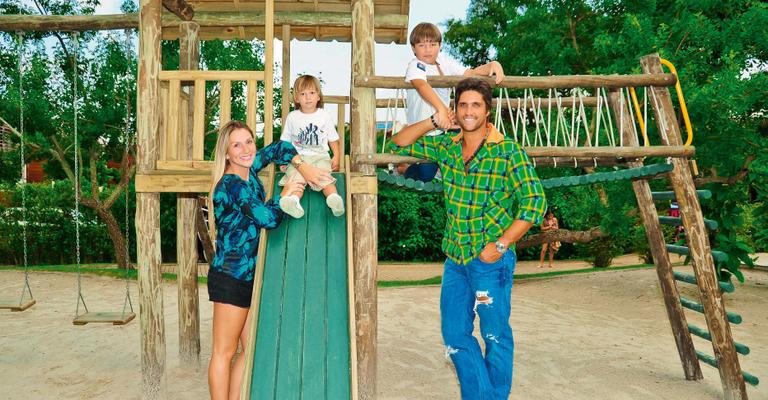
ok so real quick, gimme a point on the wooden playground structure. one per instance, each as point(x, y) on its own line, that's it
point(170, 156)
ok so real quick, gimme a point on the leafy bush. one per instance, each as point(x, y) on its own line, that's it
point(411, 225)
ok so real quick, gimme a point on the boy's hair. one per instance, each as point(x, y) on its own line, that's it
point(425, 31)
point(478, 85)
point(302, 83)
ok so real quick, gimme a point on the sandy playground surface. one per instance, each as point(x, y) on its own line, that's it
point(592, 336)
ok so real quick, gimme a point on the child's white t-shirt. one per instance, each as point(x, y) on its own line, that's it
point(309, 133)
point(417, 108)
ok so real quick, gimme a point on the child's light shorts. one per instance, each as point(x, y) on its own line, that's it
point(321, 161)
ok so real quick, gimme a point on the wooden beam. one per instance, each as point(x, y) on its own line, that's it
point(364, 209)
point(149, 259)
point(269, 67)
point(173, 182)
point(180, 8)
point(527, 82)
point(698, 241)
point(655, 235)
point(205, 19)
point(186, 215)
point(565, 153)
point(286, 72)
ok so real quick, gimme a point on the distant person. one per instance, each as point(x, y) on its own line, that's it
point(241, 209)
point(492, 197)
point(423, 101)
point(549, 224)
point(674, 211)
point(310, 129)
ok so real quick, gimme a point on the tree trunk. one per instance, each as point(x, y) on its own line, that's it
point(561, 235)
point(113, 229)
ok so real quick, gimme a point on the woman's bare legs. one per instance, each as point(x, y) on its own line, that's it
point(228, 325)
point(543, 254)
point(236, 377)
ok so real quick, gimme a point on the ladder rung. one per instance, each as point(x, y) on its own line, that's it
point(704, 334)
point(688, 278)
point(719, 256)
point(692, 305)
point(703, 194)
point(707, 359)
point(677, 221)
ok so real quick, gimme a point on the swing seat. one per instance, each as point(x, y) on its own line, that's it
point(115, 318)
point(14, 305)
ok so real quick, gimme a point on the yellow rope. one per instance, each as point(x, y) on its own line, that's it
point(639, 116)
point(680, 98)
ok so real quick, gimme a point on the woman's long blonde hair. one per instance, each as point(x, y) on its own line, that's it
point(220, 163)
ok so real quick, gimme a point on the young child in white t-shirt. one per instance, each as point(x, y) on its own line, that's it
point(311, 131)
point(424, 101)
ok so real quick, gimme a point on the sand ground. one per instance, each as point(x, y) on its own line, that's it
point(593, 336)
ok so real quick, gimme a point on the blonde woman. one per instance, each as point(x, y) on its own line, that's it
point(241, 209)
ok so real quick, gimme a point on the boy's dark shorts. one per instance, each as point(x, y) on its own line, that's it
point(223, 288)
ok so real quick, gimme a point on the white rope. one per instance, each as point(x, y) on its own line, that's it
point(597, 117)
point(609, 119)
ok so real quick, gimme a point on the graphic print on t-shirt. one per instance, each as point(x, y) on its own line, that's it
point(308, 136)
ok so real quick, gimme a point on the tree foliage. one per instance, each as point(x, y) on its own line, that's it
point(721, 53)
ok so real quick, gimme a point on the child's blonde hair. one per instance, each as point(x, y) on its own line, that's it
point(305, 82)
point(425, 32)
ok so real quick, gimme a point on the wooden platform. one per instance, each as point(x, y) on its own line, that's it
point(115, 318)
point(302, 347)
point(14, 305)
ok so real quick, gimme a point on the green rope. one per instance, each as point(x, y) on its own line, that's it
point(563, 181)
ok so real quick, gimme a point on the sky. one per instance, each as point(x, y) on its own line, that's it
point(331, 61)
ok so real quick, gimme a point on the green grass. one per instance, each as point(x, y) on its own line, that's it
point(549, 274)
point(91, 270)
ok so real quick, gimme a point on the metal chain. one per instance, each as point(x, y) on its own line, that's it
point(26, 287)
point(75, 145)
point(126, 131)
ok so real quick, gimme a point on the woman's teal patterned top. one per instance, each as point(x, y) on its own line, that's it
point(241, 210)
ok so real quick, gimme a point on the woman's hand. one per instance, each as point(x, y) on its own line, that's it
point(313, 175)
point(296, 188)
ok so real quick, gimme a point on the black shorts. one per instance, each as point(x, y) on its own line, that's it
point(223, 288)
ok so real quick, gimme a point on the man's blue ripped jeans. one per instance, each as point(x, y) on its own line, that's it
point(485, 290)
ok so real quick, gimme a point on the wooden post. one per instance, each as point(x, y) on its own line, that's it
point(653, 232)
point(698, 242)
point(148, 204)
point(364, 211)
point(186, 218)
point(269, 69)
point(287, 98)
point(340, 112)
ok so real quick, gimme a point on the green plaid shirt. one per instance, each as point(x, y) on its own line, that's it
point(501, 186)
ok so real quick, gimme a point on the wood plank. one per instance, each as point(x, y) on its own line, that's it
point(180, 8)
point(340, 127)
point(251, 108)
point(172, 121)
point(114, 318)
point(257, 297)
point(318, 321)
point(163, 123)
point(269, 73)
point(286, 72)
point(183, 166)
point(528, 82)
point(655, 236)
point(198, 130)
point(264, 377)
point(289, 359)
point(363, 209)
point(192, 75)
point(337, 297)
point(15, 305)
point(173, 182)
point(225, 102)
point(351, 303)
point(698, 240)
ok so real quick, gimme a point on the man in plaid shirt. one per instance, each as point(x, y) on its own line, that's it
point(492, 197)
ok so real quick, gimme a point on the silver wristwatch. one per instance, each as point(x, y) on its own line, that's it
point(501, 247)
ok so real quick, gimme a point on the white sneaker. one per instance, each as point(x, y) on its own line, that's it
point(291, 206)
point(336, 204)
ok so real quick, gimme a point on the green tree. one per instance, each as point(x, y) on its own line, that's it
point(721, 53)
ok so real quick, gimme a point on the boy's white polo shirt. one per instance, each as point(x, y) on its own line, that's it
point(417, 108)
